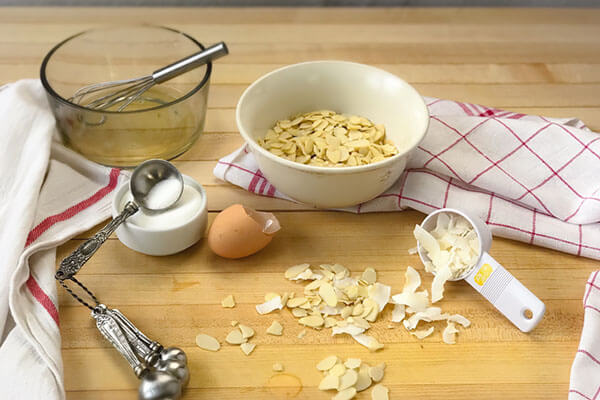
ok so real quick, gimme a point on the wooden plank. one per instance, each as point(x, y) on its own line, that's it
point(186, 321)
point(266, 16)
point(374, 53)
point(517, 391)
point(318, 237)
point(211, 288)
point(225, 73)
point(430, 363)
point(307, 33)
point(494, 95)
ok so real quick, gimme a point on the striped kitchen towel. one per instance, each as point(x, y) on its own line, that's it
point(48, 194)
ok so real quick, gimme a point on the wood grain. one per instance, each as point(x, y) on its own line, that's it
point(548, 64)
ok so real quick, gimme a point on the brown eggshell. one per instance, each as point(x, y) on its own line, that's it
point(238, 231)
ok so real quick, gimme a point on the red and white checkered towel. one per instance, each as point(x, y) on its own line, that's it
point(585, 372)
point(530, 178)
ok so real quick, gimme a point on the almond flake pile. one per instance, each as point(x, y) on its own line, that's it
point(351, 377)
point(409, 301)
point(452, 248)
point(333, 299)
point(327, 139)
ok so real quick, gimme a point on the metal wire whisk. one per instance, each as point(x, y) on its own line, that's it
point(126, 91)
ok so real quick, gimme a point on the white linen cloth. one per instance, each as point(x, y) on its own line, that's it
point(48, 194)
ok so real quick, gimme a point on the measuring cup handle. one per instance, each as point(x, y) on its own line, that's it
point(506, 293)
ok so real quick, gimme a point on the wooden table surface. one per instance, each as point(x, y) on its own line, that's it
point(532, 61)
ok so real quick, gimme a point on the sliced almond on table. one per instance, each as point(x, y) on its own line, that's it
point(234, 323)
point(337, 370)
point(329, 382)
point(380, 392)
point(314, 321)
point(353, 363)
point(207, 342)
point(296, 270)
point(327, 363)
point(275, 329)
point(247, 332)
point(296, 302)
point(228, 302)
point(299, 312)
point(363, 381)
point(345, 394)
point(327, 293)
point(348, 379)
point(277, 367)
point(235, 337)
point(369, 276)
point(376, 372)
point(247, 348)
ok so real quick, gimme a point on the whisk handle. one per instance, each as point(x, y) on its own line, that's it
point(188, 63)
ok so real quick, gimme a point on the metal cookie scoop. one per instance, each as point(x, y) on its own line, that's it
point(155, 185)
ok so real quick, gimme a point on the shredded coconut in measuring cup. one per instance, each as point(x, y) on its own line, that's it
point(452, 248)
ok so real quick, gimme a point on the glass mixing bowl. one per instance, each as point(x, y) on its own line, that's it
point(164, 123)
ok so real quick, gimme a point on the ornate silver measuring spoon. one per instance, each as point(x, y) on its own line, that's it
point(155, 185)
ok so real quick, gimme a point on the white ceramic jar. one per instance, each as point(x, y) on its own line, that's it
point(166, 232)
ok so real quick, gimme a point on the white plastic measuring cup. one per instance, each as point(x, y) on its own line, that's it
point(491, 279)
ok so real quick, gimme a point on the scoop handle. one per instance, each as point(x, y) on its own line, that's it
point(506, 293)
point(71, 264)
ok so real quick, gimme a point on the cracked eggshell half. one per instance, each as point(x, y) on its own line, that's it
point(239, 231)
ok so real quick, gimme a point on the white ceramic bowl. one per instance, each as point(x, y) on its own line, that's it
point(344, 87)
point(167, 240)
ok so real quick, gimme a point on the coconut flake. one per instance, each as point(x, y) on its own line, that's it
point(269, 306)
point(380, 294)
point(417, 301)
point(368, 341)
point(398, 313)
point(459, 319)
point(426, 240)
point(430, 314)
point(422, 334)
point(412, 280)
point(349, 329)
point(437, 286)
point(449, 334)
